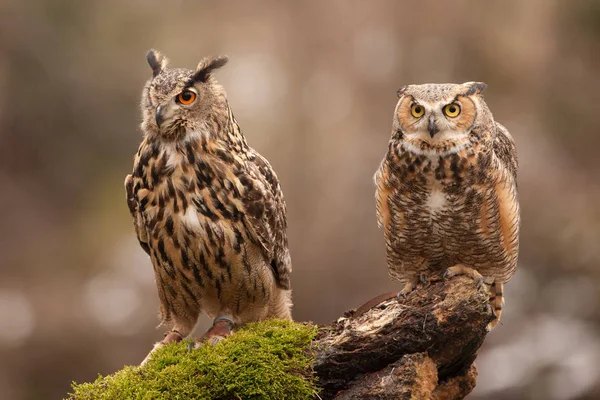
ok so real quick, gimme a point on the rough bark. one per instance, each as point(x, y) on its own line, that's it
point(421, 347)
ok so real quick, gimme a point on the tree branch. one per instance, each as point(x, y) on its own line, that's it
point(422, 347)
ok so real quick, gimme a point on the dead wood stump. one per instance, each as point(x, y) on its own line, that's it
point(421, 347)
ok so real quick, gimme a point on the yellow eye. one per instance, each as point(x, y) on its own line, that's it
point(186, 97)
point(417, 110)
point(452, 110)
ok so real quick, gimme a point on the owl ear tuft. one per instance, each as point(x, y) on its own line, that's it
point(206, 67)
point(157, 61)
point(401, 91)
point(475, 87)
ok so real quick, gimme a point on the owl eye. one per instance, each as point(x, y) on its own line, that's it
point(186, 97)
point(452, 110)
point(417, 110)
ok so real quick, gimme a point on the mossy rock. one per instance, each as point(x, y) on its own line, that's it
point(265, 360)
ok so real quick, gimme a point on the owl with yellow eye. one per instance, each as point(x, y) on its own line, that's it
point(446, 191)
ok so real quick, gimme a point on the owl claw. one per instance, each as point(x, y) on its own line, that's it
point(215, 339)
point(401, 295)
point(423, 279)
point(222, 327)
point(480, 282)
point(460, 269)
point(446, 274)
point(192, 345)
point(408, 287)
point(211, 340)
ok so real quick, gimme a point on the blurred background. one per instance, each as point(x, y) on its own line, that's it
point(313, 86)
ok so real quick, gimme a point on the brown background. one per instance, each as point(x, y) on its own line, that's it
point(313, 86)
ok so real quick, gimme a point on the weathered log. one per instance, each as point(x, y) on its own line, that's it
point(420, 347)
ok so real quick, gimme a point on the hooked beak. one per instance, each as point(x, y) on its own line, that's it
point(432, 127)
point(160, 118)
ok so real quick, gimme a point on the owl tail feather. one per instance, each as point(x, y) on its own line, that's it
point(496, 301)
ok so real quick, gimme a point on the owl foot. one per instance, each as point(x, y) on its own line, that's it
point(408, 287)
point(411, 284)
point(460, 269)
point(171, 337)
point(222, 327)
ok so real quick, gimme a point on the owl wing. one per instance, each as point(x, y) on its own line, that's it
point(135, 214)
point(384, 184)
point(266, 215)
point(506, 199)
point(505, 150)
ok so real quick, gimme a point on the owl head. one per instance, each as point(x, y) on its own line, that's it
point(179, 101)
point(437, 118)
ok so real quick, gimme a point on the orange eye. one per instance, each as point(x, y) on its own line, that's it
point(186, 97)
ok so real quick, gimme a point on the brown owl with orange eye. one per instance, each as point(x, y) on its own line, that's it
point(206, 207)
point(447, 190)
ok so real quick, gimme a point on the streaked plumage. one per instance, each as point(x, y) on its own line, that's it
point(206, 207)
point(446, 190)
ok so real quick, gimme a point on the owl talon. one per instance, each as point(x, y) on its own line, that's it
point(222, 327)
point(211, 340)
point(408, 287)
point(461, 269)
point(480, 282)
point(215, 339)
point(192, 345)
point(446, 275)
point(423, 279)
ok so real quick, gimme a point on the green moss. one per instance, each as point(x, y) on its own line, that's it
point(264, 360)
